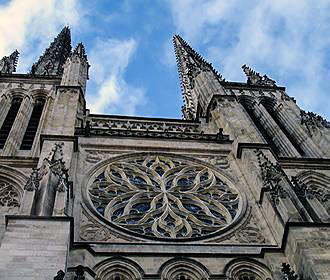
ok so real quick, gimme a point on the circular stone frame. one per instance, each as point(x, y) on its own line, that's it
point(101, 166)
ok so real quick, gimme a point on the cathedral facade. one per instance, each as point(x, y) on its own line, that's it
point(239, 189)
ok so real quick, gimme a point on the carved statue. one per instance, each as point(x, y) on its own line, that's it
point(8, 63)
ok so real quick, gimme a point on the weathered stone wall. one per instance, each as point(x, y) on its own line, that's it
point(34, 248)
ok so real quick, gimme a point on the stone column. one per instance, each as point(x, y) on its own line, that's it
point(21, 121)
point(279, 138)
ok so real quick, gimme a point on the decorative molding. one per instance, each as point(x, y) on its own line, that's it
point(144, 125)
point(313, 122)
point(254, 78)
point(219, 137)
point(8, 63)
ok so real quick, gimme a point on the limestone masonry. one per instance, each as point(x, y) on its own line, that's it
point(239, 189)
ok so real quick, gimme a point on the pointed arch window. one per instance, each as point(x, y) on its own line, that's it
point(33, 124)
point(9, 120)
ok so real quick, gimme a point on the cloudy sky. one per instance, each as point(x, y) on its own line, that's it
point(129, 45)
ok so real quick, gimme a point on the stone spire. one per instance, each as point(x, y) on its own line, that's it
point(254, 78)
point(190, 66)
point(52, 61)
point(8, 63)
point(76, 67)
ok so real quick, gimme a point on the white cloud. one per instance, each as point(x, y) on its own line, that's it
point(30, 25)
point(288, 41)
point(109, 59)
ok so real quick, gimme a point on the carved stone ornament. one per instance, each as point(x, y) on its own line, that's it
point(272, 175)
point(254, 78)
point(164, 196)
point(33, 181)
point(92, 230)
point(288, 273)
point(313, 122)
point(307, 191)
point(8, 63)
point(248, 233)
point(80, 273)
point(59, 275)
point(55, 164)
point(9, 198)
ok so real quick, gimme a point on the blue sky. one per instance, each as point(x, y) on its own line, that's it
point(129, 46)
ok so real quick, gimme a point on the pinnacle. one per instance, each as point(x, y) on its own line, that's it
point(80, 51)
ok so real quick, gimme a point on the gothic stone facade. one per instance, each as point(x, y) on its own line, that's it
point(238, 189)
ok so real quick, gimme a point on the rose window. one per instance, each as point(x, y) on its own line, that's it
point(164, 197)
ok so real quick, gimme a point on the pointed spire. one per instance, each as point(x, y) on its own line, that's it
point(54, 57)
point(190, 65)
point(254, 78)
point(8, 63)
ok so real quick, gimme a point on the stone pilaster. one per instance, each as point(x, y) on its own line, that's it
point(308, 146)
point(279, 138)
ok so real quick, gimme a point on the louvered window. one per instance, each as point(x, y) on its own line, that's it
point(9, 120)
point(33, 124)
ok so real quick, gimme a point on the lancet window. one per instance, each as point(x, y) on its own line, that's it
point(9, 120)
point(33, 124)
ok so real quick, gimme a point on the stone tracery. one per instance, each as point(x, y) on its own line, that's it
point(164, 197)
point(9, 198)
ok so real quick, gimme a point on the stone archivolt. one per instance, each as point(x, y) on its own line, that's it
point(247, 269)
point(164, 196)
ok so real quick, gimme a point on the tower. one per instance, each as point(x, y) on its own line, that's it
point(238, 189)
